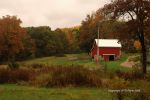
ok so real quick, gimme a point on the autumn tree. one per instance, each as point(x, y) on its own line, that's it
point(11, 35)
point(48, 42)
point(89, 29)
point(137, 15)
point(61, 42)
point(42, 38)
point(137, 45)
point(29, 49)
point(72, 35)
point(127, 38)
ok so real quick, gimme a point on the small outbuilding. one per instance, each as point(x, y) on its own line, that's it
point(108, 49)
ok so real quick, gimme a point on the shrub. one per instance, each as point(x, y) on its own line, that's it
point(20, 75)
point(134, 58)
point(118, 84)
point(134, 75)
point(52, 76)
point(74, 75)
point(36, 65)
point(4, 75)
point(136, 71)
point(13, 65)
point(14, 76)
point(41, 80)
point(140, 96)
point(126, 76)
point(62, 76)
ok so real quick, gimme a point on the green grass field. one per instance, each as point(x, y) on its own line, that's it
point(69, 59)
point(79, 59)
point(13, 92)
point(116, 65)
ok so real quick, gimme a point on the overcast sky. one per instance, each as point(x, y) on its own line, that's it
point(53, 13)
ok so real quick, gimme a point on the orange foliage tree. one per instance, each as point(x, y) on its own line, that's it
point(11, 36)
point(138, 13)
point(137, 45)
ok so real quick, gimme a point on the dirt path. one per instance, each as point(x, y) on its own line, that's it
point(127, 64)
point(130, 64)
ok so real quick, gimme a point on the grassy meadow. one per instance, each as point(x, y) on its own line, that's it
point(68, 59)
point(24, 91)
point(79, 59)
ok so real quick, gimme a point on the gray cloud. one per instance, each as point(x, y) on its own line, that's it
point(54, 13)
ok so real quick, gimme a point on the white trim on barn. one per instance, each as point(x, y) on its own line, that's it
point(108, 54)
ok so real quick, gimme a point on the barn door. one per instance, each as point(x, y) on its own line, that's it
point(111, 57)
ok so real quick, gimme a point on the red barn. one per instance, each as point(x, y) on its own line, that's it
point(108, 49)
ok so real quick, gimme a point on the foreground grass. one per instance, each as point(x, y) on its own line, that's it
point(13, 92)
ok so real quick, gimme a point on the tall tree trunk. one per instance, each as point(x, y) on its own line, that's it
point(144, 52)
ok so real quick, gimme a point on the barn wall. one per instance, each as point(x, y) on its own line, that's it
point(106, 50)
point(106, 57)
point(115, 51)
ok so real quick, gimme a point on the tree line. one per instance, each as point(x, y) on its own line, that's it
point(21, 43)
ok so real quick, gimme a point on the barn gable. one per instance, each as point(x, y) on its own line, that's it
point(108, 49)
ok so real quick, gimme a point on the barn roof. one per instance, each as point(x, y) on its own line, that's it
point(108, 43)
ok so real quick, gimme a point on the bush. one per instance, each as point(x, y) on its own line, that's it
point(13, 65)
point(118, 84)
point(136, 74)
point(52, 76)
point(14, 76)
point(41, 80)
point(4, 75)
point(20, 75)
point(36, 66)
point(61, 76)
point(134, 58)
point(140, 96)
point(74, 75)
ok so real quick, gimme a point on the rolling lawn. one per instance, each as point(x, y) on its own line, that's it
point(17, 92)
point(78, 59)
point(69, 59)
